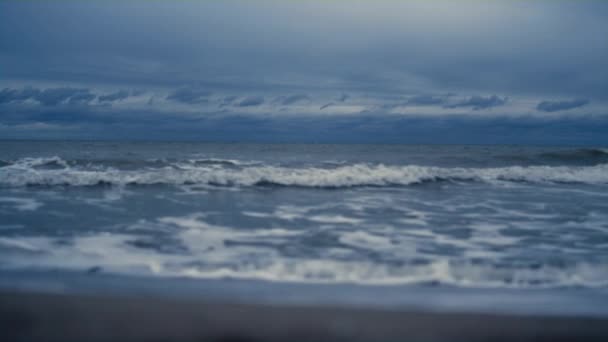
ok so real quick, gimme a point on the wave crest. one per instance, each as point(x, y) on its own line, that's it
point(55, 171)
point(578, 155)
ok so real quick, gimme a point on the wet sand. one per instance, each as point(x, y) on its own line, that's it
point(31, 316)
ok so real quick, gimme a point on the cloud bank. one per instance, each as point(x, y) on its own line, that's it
point(554, 106)
point(263, 63)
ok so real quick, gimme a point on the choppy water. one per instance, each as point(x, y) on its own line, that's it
point(464, 216)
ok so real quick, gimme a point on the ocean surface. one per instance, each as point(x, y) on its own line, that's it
point(439, 221)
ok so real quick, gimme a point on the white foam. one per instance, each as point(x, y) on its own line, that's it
point(489, 234)
point(110, 251)
point(113, 253)
point(291, 212)
point(414, 217)
point(213, 160)
point(336, 219)
point(256, 214)
point(413, 221)
point(363, 239)
point(28, 163)
point(370, 254)
point(23, 173)
point(19, 244)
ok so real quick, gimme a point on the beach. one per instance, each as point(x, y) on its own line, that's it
point(54, 317)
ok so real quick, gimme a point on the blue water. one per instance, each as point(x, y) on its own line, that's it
point(517, 220)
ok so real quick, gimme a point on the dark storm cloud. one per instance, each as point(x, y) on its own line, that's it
point(189, 95)
point(269, 45)
point(426, 100)
point(291, 99)
point(326, 105)
point(117, 96)
point(55, 96)
point(366, 53)
point(251, 101)
point(8, 95)
point(81, 98)
point(554, 106)
point(479, 102)
point(47, 97)
point(343, 97)
point(227, 101)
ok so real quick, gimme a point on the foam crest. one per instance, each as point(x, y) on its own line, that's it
point(28, 172)
point(42, 162)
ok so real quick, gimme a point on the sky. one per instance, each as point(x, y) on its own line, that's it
point(353, 71)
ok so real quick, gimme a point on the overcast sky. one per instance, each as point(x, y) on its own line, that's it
point(310, 71)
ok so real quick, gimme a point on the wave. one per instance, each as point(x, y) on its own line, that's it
point(34, 163)
point(438, 272)
point(57, 172)
point(219, 161)
point(56, 162)
point(124, 254)
point(578, 155)
point(554, 157)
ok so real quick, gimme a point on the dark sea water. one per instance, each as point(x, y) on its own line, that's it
point(439, 221)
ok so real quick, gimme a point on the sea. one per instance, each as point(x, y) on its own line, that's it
point(468, 228)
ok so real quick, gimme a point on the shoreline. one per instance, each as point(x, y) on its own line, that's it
point(37, 316)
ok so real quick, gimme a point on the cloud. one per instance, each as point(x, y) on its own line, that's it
point(496, 52)
point(228, 100)
point(55, 96)
point(47, 97)
point(479, 102)
point(326, 105)
point(189, 95)
point(291, 99)
point(117, 96)
point(426, 100)
point(343, 97)
point(554, 106)
point(82, 98)
point(8, 95)
point(251, 101)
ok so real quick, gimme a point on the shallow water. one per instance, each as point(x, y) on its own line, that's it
point(523, 218)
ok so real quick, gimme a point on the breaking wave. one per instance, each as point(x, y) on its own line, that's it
point(55, 171)
point(120, 254)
